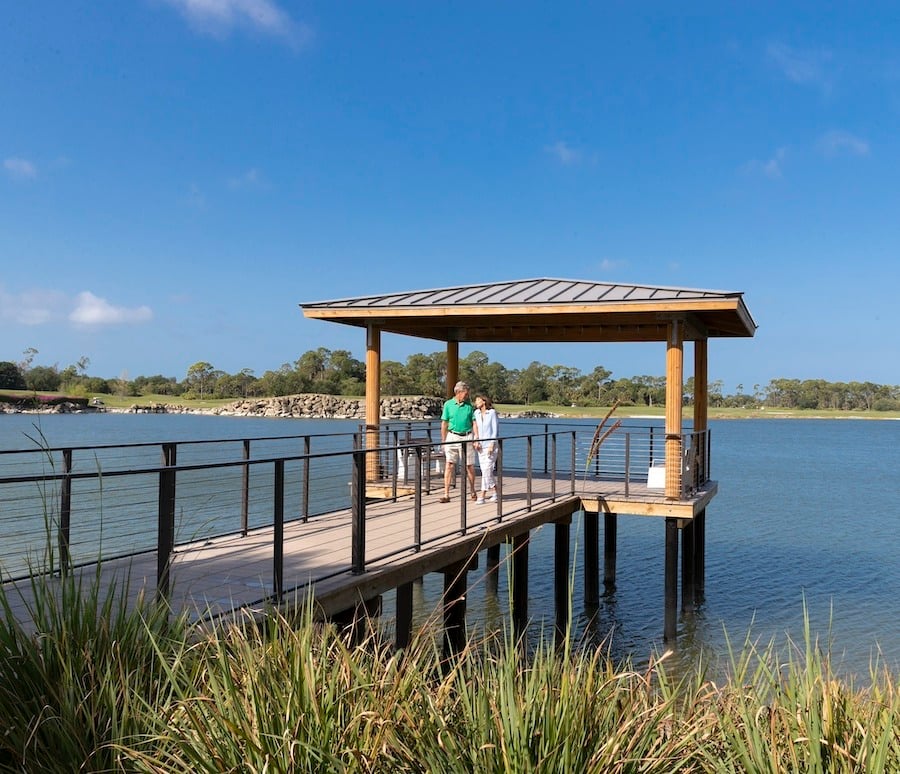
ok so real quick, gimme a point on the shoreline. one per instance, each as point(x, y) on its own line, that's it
point(398, 408)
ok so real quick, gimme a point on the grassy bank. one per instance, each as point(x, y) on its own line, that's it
point(105, 689)
point(120, 402)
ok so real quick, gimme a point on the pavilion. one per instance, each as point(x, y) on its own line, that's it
point(555, 310)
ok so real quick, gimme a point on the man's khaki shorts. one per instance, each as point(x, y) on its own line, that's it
point(453, 451)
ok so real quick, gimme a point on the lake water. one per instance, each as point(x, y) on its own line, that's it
point(807, 514)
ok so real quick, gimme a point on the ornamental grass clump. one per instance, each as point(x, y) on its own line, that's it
point(77, 675)
point(92, 684)
point(797, 715)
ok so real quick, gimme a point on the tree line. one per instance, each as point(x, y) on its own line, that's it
point(337, 372)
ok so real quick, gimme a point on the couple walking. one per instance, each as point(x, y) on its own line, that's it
point(467, 430)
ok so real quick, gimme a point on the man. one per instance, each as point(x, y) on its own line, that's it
point(458, 430)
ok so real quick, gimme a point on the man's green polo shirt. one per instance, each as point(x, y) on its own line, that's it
point(458, 416)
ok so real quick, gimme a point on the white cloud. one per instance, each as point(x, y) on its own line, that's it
point(607, 264)
point(219, 17)
point(564, 153)
point(52, 307)
point(33, 307)
point(771, 168)
point(93, 310)
point(20, 169)
point(836, 142)
point(805, 68)
point(252, 178)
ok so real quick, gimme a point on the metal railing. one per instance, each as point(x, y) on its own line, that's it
point(65, 507)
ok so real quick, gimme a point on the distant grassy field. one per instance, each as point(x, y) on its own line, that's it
point(714, 413)
point(116, 401)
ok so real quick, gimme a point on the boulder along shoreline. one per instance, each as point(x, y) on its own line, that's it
point(304, 406)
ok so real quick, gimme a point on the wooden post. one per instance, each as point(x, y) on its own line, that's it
point(354, 622)
point(403, 623)
point(561, 579)
point(701, 422)
point(670, 629)
point(701, 396)
point(610, 528)
point(700, 554)
point(591, 559)
point(373, 398)
point(492, 568)
point(519, 581)
point(674, 391)
point(688, 567)
point(452, 366)
point(455, 608)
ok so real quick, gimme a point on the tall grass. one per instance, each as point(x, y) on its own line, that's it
point(91, 684)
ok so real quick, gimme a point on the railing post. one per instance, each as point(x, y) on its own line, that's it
point(358, 506)
point(627, 462)
point(417, 503)
point(395, 462)
point(278, 531)
point(245, 490)
point(165, 537)
point(574, 462)
point(65, 514)
point(553, 471)
point(498, 479)
point(546, 431)
point(305, 482)
point(463, 486)
point(528, 469)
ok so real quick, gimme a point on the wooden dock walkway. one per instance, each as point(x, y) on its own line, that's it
point(218, 576)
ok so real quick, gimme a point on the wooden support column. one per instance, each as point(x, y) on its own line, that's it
point(519, 582)
point(452, 366)
point(561, 578)
point(492, 566)
point(688, 568)
point(354, 623)
point(674, 395)
point(700, 554)
point(455, 608)
point(701, 422)
point(610, 529)
point(701, 384)
point(373, 399)
point(591, 559)
point(403, 619)
point(670, 628)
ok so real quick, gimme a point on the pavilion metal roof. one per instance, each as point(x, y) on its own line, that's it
point(544, 310)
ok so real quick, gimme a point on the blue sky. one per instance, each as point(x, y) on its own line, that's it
point(176, 176)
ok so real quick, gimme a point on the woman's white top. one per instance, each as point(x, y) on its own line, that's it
point(486, 422)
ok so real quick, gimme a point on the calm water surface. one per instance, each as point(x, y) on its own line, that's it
point(807, 513)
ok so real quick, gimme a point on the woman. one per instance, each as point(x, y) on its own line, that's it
point(486, 446)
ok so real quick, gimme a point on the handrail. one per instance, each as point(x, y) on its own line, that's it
point(180, 489)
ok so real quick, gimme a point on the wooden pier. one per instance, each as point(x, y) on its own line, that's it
point(346, 559)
